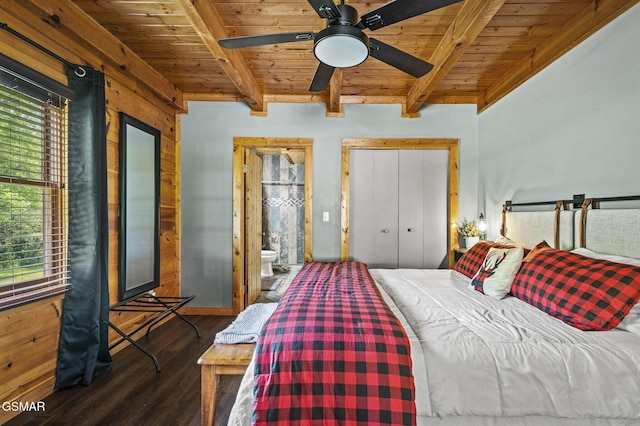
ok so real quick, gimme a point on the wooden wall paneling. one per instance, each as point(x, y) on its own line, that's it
point(16, 14)
point(32, 357)
point(31, 374)
point(120, 98)
point(113, 192)
point(28, 351)
point(73, 22)
point(12, 14)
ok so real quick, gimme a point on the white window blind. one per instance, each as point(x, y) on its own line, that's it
point(33, 200)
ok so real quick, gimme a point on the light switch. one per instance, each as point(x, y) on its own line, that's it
point(325, 216)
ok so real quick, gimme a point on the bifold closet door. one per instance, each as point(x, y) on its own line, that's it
point(398, 208)
point(422, 209)
point(373, 207)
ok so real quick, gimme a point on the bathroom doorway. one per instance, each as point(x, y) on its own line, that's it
point(284, 225)
point(283, 209)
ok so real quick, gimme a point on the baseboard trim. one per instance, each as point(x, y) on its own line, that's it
point(187, 310)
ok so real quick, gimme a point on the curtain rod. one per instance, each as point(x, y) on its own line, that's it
point(80, 71)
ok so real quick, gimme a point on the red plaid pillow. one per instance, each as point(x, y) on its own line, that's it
point(542, 245)
point(587, 293)
point(471, 261)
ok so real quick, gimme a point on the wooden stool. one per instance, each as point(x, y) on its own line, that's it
point(217, 360)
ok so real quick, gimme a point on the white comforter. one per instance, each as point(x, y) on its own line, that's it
point(479, 361)
point(477, 356)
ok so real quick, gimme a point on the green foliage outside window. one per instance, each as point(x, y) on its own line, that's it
point(22, 193)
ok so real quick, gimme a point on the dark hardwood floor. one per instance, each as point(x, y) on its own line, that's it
point(132, 393)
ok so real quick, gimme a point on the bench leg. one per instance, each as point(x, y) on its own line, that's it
point(209, 387)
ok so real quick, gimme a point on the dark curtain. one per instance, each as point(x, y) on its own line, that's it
point(83, 351)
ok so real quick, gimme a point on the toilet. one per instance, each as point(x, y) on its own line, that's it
point(266, 257)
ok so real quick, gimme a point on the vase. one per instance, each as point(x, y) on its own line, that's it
point(470, 241)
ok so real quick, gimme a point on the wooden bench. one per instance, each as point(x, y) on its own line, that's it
point(218, 360)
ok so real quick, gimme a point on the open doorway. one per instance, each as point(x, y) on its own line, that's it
point(283, 209)
point(271, 210)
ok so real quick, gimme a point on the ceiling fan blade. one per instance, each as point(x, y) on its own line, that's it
point(261, 40)
point(322, 78)
point(399, 10)
point(325, 8)
point(398, 59)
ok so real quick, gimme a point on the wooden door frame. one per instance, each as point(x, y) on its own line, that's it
point(238, 259)
point(450, 145)
point(252, 225)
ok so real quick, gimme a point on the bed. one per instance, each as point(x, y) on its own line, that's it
point(529, 358)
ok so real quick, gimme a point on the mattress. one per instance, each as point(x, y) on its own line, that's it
point(478, 360)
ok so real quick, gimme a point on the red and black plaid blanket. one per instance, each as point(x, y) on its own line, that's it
point(333, 353)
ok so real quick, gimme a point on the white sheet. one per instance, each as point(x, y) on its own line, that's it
point(496, 358)
point(481, 361)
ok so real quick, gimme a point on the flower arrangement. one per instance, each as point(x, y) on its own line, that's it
point(469, 229)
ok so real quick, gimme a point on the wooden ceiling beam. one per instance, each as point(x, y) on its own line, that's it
point(473, 17)
point(334, 107)
point(209, 26)
point(595, 16)
point(70, 19)
point(435, 98)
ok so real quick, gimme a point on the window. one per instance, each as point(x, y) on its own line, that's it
point(33, 204)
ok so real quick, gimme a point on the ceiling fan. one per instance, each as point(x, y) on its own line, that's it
point(343, 44)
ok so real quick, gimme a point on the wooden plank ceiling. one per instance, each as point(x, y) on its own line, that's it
point(481, 49)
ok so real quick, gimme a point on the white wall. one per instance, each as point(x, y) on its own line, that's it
point(573, 128)
point(207, 133)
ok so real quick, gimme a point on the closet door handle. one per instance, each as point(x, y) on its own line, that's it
point(384, 231)
point(410, 230)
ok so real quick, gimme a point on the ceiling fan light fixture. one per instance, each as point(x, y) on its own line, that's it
point(341, 46)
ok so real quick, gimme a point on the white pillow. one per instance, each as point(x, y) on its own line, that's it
point(610, 257)
point(497, 272)
point(504, 240)
point(631, 322)
point(509, 242)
